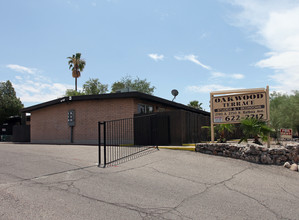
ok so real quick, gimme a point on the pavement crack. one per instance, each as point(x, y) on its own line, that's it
point(134, 168)
point(12, 184)
point(191, 197)
point(232, 177)
point(259, 202)
point(60, 172)
point(179, 177)
point(208, 187)
point(144, 212)
point(175, 209)
point(297, 197)
point(150, 213)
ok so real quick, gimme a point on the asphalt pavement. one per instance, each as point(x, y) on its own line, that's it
point(64, 182)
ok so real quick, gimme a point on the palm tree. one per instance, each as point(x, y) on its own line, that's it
point(221, 130)
point(255, 128)
point(195, 104)
point(77, 65)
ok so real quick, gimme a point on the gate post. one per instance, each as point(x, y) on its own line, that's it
point(104, 143)
point(100, 144)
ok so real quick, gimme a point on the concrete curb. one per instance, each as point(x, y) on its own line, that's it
point(189, 148)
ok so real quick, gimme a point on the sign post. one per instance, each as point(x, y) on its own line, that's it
point(231, 106)
point(212, 119)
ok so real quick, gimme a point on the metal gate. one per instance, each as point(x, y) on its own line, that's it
point(119, 141)
point(151, 130)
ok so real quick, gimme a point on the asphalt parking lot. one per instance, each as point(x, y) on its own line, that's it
point(64, 182)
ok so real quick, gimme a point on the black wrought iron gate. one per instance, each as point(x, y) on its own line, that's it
point(126, 139)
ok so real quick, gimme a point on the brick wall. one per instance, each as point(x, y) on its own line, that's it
point(49, 125)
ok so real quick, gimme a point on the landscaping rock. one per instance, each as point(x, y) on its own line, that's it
point(294, 167)
point(287, 165)
point(277, 155)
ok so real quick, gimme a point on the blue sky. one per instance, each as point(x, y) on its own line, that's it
point(194, 46)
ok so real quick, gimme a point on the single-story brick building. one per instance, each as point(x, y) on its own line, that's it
point(75, 119)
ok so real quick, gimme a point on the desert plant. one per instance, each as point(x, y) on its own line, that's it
point(221, 129)
point(252, 127)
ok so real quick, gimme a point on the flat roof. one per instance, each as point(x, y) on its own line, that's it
point(137, 95)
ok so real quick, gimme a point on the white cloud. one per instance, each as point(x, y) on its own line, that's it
point(156, 57)
point(34, 87)
point(218, 74)
point(275, 25)
point(237, 76)
point(280, 61)
point(208, 88)
point(193, 59)
point(224, 75)
point(37, 92)
point(214, 74)
point(21, 69)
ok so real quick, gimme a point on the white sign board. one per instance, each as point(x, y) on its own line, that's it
point(286, 133)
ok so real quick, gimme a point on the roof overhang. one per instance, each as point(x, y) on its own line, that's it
point(136, 95)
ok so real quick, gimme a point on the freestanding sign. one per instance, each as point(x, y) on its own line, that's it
point(71, 118)
point(71, 122)
point(232, 106)
point(286, 133)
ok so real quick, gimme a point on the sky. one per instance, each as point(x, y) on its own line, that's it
point(194, 46)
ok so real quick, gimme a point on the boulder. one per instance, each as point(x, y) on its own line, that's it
point(294, 167)
point(287, 165)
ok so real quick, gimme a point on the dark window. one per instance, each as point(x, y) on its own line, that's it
point(160, 109)
point(145, 109)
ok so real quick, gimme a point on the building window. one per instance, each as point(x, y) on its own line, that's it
point(145, 109)
point(160, 109)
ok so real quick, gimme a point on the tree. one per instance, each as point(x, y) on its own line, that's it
point(252, 127)
point(77, 65)
point(195, 104)
point(10, 105)
point(90, 87)
point(278, 105)
point(294, 106)
point(283, 111)
point(135, 84)
point(72, 92)
point(94, 87)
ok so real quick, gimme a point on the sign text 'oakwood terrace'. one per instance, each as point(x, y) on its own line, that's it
point(234, 108)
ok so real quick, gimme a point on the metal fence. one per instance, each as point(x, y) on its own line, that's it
point(118, 142)
point(172, 128)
